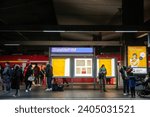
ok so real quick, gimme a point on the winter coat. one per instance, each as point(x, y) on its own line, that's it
point(49, 71)
point(15, 82)
point(29, 72)
point(7, 74)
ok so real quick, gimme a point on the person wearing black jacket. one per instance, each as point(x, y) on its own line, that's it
point(29, 73)
point(125, 80)
point(49, 76)
point(1, 77)
point(15, 82)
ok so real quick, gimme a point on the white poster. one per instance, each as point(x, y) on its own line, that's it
point(83, 67)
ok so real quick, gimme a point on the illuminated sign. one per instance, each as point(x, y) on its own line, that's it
point(61, 67)
point(137, 59)
point(137, 56)
point(83, 67)
point(109, 65)
point(66, 50)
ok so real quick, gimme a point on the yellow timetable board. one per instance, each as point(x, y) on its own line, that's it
point(61, 67)
point(109, 64)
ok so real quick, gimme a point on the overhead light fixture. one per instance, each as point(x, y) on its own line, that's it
point(12, 44)
point(143, 35)
point(53, 31)
point(133, 31)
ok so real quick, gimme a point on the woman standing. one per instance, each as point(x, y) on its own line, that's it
point(16, 80)
point(102, 76)
point(29, 73)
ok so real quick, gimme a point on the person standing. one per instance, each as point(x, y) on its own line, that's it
point(49, 76)
point(36, 71)
point(125, 80)
point(16, 80)
point(102, 77)
point(42, 75)
point(1, 77)
point(29, 73)
point(7, 77)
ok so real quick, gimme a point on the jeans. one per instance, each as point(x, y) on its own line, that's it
point(28, 84)
point(17, 90)
point(132, 91)
point(49, 82)
point(102, 83)
point(125, 86)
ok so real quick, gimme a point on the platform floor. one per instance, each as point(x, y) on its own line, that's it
point(40, 93)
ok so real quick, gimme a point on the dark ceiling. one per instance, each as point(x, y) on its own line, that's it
point(59, 12)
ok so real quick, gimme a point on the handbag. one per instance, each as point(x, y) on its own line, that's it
point(31, 78)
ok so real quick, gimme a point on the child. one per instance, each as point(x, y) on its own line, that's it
point(132, 84)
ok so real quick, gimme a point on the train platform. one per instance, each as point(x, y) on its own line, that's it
point(40, 93)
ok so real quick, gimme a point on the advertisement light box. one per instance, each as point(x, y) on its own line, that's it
point(83, 67)
point(137, 59)
point(61, 67)
point(109, 64)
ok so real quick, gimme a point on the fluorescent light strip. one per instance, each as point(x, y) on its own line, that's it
point(126, 31)
point(53, 31)
point(143, 35)
point(17, 44)
point(61, 31)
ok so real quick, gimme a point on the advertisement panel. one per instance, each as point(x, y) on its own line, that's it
point(137, 58)
point(109, 64)
point(83, 67)
point(61, 67)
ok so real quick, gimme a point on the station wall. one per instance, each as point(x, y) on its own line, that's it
point(43, 59)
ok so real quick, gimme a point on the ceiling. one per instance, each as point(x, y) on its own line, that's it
point(59, 12)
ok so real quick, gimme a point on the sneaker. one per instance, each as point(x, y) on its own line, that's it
point(27, 91)
point(14, 96)
point(47, 89)
point(30, 89)
point(50, 89)
point(124, 94)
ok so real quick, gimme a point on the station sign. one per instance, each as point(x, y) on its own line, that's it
point(71, 50)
